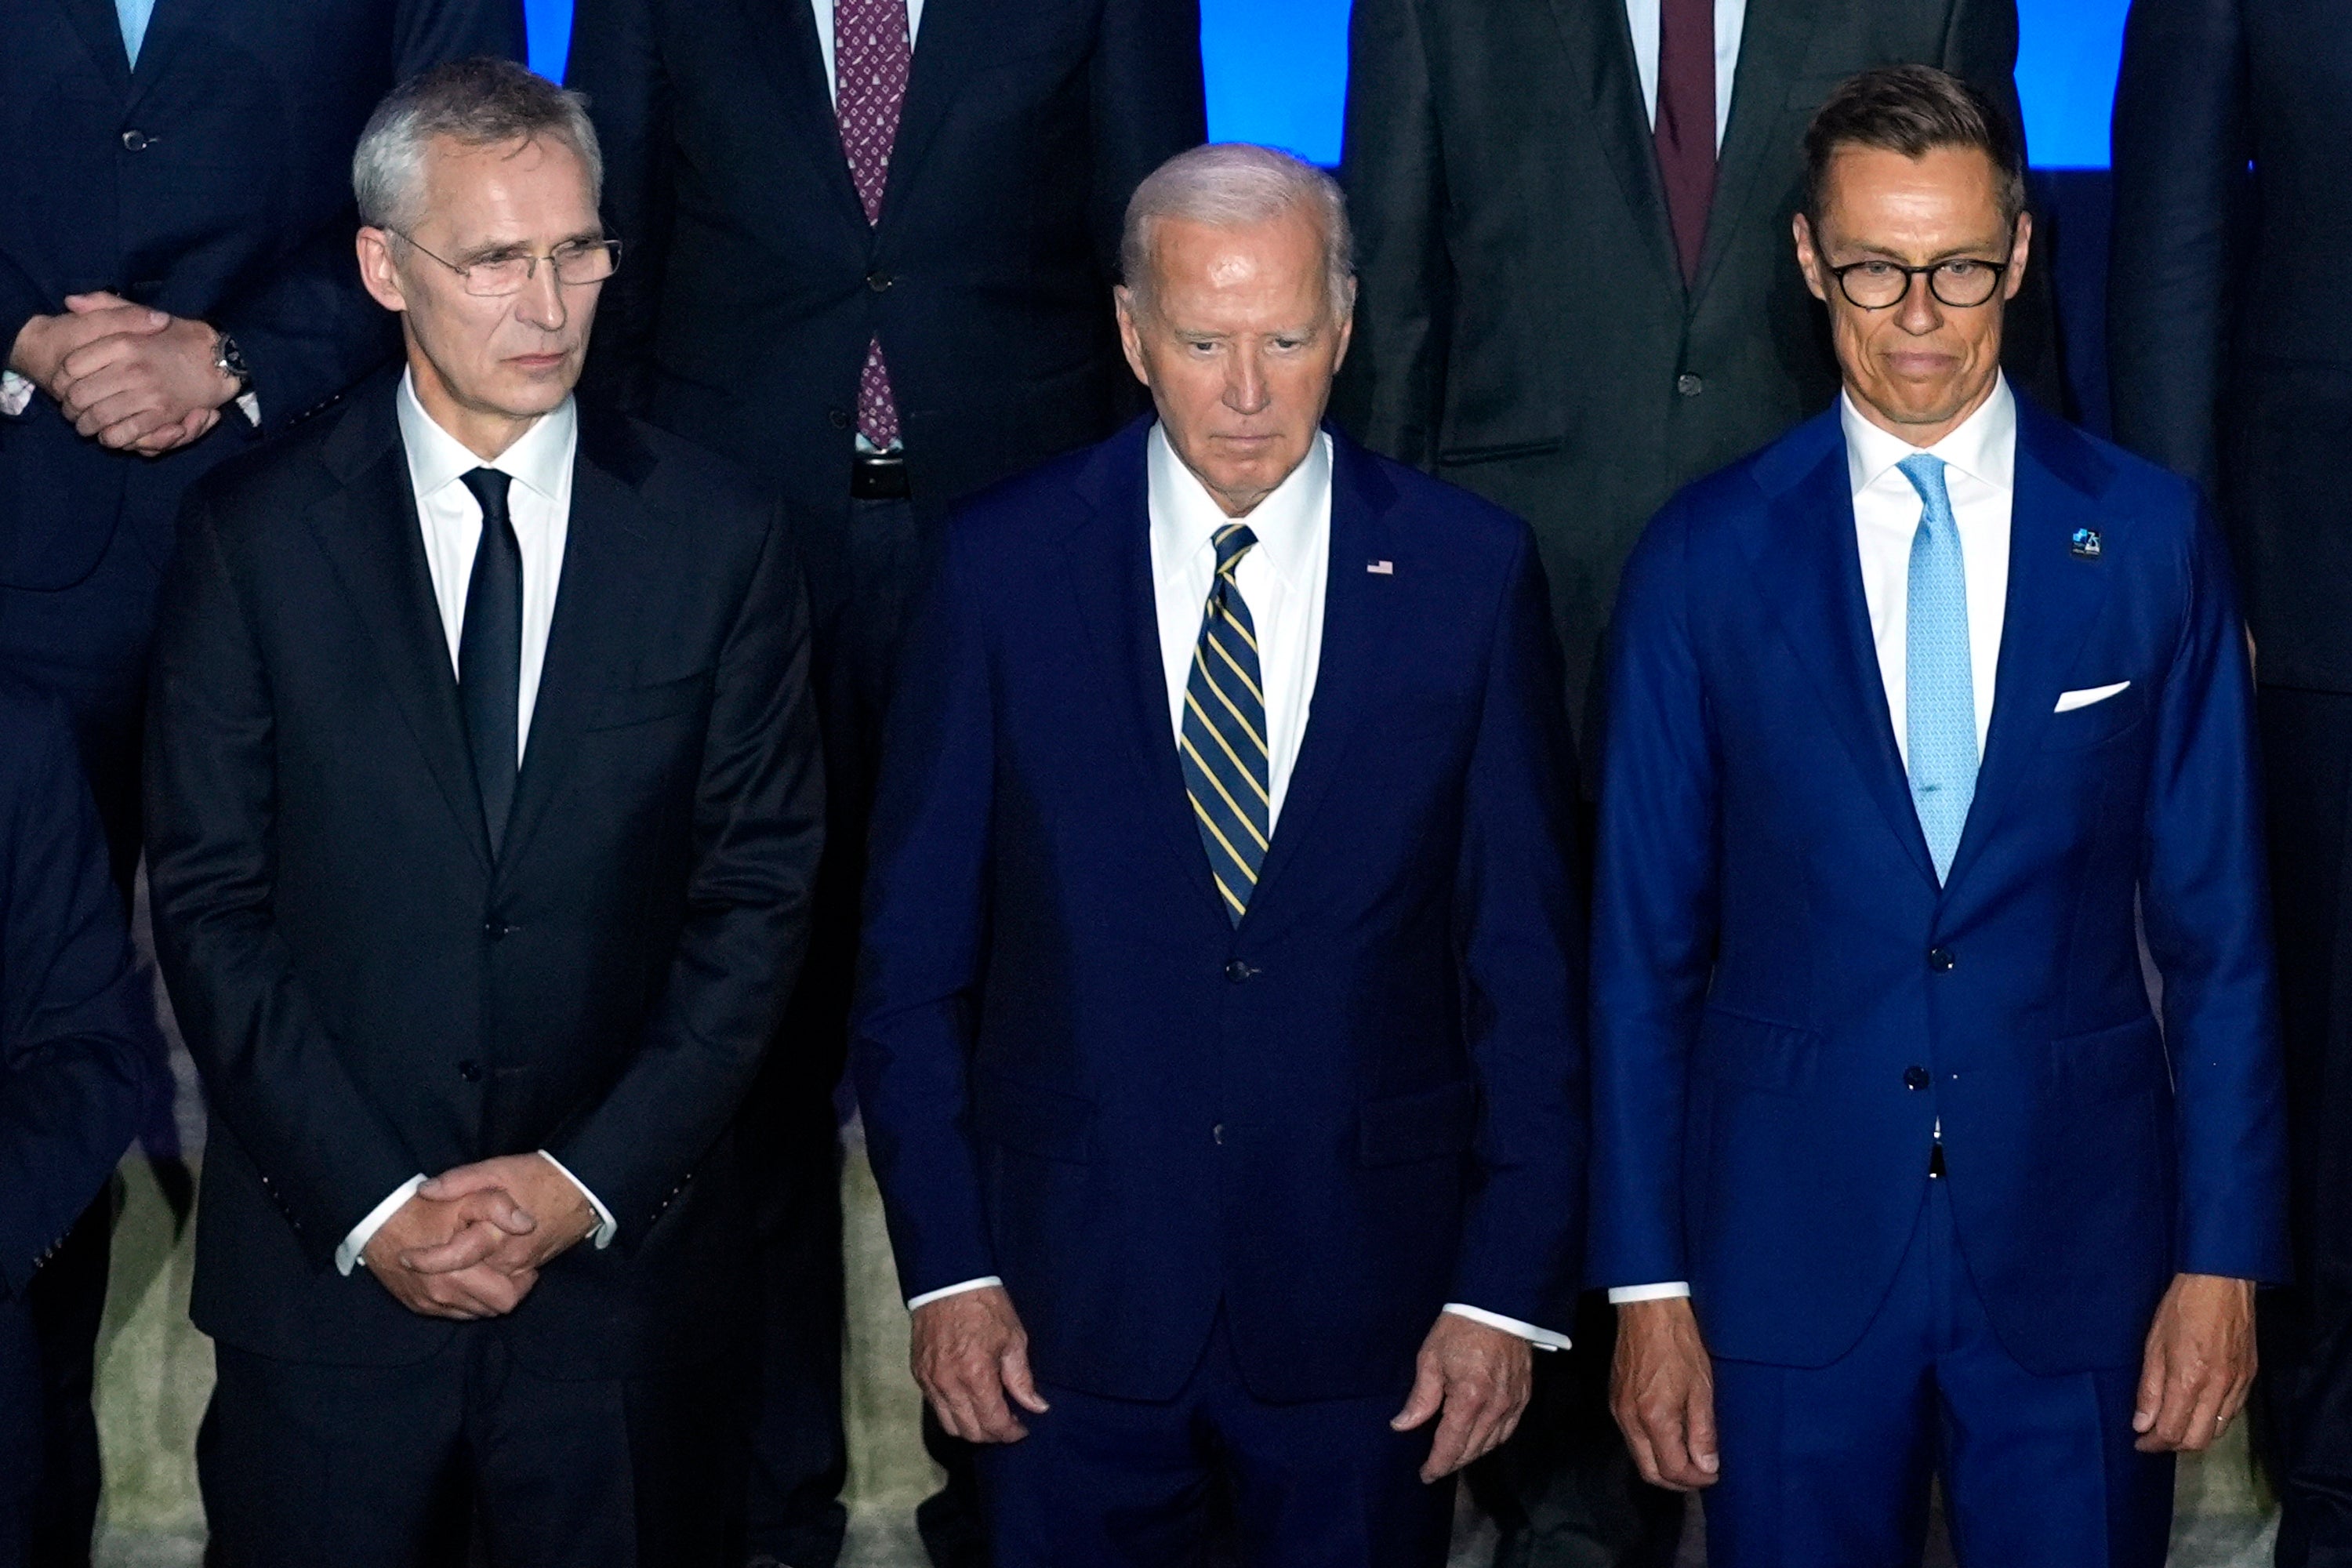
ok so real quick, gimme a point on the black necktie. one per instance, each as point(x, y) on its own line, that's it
point(490, 653)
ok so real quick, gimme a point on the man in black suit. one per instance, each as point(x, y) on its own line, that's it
point(175, 277)
point(484, 807)
point(2231, 361)
point(76, 1049)
point(1579, 295)
point(871, 248)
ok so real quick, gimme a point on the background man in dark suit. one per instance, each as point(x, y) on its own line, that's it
point(75, 1048)
point(176, 273)
point(870, 243)
point(484, 808)
point(1924, 723)
point(2231, 360)
point(1220, 1058)
point(1573, 222)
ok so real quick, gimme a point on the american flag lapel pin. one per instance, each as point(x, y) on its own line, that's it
point(1381, 568)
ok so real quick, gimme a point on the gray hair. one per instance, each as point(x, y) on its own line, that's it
point(1239, 185)
point(481, 102)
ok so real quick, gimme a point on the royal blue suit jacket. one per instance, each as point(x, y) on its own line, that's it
point(1365, 1102)
point(1773, 958)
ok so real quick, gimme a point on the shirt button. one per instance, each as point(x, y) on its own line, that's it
point(1915, 1078)
point(135, 140)
point(879, 281)
point(1941, 960)
point(1690, 385)
point(1237, 971)
point(470, 1070)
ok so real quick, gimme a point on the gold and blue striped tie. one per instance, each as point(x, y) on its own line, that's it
point(1226, 770)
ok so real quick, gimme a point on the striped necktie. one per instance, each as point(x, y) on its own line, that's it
point(1939, 701)
point(1227, 773)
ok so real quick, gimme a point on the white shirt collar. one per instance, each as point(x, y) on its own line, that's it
point(1984, 448)
point(1185, 517)
point(540, 460)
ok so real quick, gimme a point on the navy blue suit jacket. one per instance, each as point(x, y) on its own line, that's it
point(214, 181)
point(1772, 956)
point(1365, 1102)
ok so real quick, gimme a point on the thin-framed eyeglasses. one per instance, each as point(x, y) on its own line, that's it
point(576, 262)
point(1962, 282)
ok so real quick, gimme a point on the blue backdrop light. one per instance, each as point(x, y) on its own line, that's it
point(1279, 71)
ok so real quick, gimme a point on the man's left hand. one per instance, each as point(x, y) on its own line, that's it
point(144, 391)
point(565, 1218)
point(1480, 1377)
point(2199, 1363)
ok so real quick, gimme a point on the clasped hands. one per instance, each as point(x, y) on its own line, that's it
point(131, 378)
point(970, 1352)
point(469, 1243)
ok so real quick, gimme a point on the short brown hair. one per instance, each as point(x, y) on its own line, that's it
point(1912, 109)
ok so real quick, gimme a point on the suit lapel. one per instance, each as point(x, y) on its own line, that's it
point(167, 29)
point(1772, 49)
point(371, 536)
point(608, 557)
point(1600, 43)
point(783, 33)
point(101, 34)
point(942, 46)
point(2053, 599)
point(1807, 567)
point(1108, 558)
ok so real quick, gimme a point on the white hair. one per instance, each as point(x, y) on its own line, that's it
point(1239, 185)
point(483, 102)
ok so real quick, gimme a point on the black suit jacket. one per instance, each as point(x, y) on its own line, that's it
point(1522, 327)
point(753, 283)
point(214, 182)
point(2229, 346)
point(367, 993)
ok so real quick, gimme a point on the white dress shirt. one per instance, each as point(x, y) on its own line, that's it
point(539, 502)
point(824, 9)
point(1980, 477)
point(1282, 580)
point(1643, 17)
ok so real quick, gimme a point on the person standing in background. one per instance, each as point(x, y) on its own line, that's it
point(175, 279)
point(1572, 228)
point(2231, 362)
point(871, 248)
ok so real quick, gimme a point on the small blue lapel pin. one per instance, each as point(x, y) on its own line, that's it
point(2086, 543)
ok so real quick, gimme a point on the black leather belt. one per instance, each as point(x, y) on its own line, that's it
point(878, 476)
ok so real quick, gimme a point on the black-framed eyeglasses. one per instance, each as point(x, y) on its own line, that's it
point(1962, 282)
point(576, 262)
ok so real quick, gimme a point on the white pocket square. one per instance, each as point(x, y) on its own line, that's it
point(2070, 701)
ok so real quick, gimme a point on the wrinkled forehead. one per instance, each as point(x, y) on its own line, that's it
point(1886, 202)
point(531, 187)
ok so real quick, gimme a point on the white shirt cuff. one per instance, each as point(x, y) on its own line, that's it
point(348, 1254)
point(250, 406)
point(607, 1227)
point(15, 393)
point(1542, 1339)
point(1623, 1295)
point(928, 1297)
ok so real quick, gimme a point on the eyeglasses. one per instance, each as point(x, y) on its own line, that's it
point(1963, 282)
point(576, 262)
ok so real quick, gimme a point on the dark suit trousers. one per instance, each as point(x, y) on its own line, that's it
point(1829, 1466)
point(303, 1465)
point(2304, 1399)
point(20, 1431)
point(1121, 1483)
point(799, 1452)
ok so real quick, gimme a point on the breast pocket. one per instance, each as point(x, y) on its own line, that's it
point(653, 702)
point(2095, 723)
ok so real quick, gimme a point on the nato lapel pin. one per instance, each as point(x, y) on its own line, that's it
point(2086, 543)
point(1381, 568)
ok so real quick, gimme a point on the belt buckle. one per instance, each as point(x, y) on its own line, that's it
point(878, 476)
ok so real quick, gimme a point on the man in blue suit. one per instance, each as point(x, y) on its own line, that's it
point(1919, 719)
point(76, 1042)
point(1221, 1060)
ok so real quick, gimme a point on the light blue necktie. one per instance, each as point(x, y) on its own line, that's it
point(134, 15)
point(1940, 701)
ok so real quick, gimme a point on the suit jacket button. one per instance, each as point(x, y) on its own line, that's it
point(135, 140)
point(879, 281)
point(837, 417)
point(1941, 960)
point(1690, 385)
point(470, 1070)
point(1237, 971)
point(1915, 1078)
point(1217, 1134)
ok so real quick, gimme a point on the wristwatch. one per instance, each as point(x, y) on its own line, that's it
point(230, 360)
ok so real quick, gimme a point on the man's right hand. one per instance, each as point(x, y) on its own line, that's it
point(1662, 1390)
point(463, 1294)
point(970, 1350)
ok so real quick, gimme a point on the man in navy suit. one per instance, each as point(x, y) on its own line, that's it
point(1221, 1060)
point(1919, 719)
point(76, 1042)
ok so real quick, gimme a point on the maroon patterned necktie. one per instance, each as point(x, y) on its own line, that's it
point(1685, 122)
point(871, 54)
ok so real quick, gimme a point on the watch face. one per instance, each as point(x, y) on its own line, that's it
point(231, 359)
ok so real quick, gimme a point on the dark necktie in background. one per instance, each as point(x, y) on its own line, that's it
point(1685, 122)
point(489, 654)
point(871, 56)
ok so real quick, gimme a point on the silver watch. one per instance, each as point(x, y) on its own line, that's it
point(230, 360)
